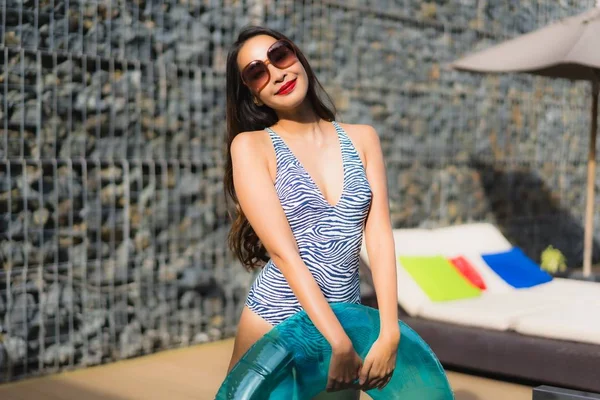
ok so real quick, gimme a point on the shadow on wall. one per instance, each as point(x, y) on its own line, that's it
point(530, 214)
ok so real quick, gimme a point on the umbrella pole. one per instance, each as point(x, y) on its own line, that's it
point(591, 179)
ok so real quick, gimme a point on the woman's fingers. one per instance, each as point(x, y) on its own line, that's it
point(331, 384)
point(378, 384)
point(348, 381)
point(335, 385)
point(381, 383)
point(376, 379)
point(365, 372)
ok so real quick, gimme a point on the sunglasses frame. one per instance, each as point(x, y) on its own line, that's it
point(266, 62)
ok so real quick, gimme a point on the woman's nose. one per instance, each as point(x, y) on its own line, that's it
point(277, 74)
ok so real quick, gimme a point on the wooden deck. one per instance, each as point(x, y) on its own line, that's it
point(192, 373)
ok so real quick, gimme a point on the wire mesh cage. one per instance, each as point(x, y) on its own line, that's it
point(113, 224)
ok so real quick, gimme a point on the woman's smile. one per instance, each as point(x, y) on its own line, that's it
point(287, 88)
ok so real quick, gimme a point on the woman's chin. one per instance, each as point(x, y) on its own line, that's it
point(287, 102)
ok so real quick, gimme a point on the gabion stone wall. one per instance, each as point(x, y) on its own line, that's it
point(112, 218)
point(509, 149)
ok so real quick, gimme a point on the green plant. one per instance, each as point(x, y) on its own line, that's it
point(553, 260)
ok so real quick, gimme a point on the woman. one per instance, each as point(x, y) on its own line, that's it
point(305, 188)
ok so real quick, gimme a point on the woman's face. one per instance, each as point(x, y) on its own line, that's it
point(272, 94)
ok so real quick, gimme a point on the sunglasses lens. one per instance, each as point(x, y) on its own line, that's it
point(255, 75)
point(282, 55)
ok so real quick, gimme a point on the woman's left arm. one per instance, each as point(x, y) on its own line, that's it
point(379, 238)
point(380, 362)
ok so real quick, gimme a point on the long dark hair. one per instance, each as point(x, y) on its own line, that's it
point(244, 115)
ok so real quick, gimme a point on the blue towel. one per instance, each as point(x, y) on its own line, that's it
point(516, 268)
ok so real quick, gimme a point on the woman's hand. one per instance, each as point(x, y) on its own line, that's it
point(344, 367)
point(378, 367)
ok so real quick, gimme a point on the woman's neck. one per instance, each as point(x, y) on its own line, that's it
point(300, 121)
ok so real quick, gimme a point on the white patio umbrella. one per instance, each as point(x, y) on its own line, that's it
point(569, 48)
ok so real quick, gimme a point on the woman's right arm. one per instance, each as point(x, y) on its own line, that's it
point(260, 204)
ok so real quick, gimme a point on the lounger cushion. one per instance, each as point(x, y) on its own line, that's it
point(573, 316)
point(569, 291)
point(498, 311)
point(575, 322)
point(476, 238)
point(415, 242)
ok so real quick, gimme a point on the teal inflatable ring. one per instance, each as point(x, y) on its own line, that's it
point(291, 361)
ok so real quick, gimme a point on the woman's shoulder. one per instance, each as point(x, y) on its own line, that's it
point(361, 134)
point(253, 148)
point(250, 140)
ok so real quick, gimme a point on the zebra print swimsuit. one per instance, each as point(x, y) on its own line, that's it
point(329, 237)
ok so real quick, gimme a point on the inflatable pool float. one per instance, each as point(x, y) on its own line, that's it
point(291, 361)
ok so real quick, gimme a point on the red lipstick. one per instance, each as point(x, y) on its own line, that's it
point(287, 88)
